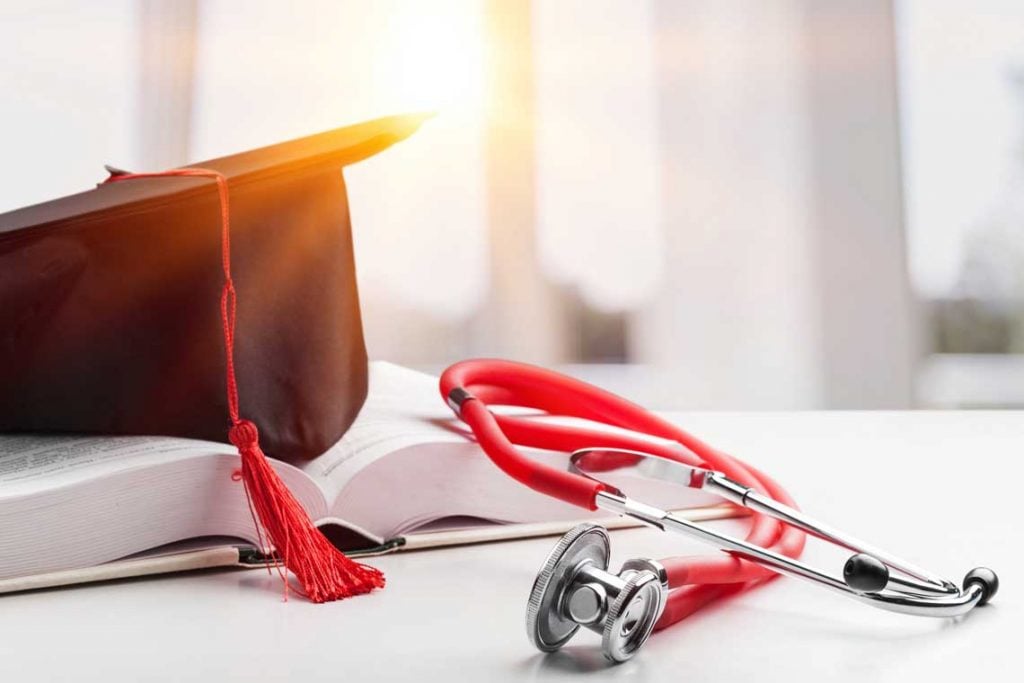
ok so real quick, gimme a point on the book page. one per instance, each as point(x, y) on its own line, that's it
point(403, 409)
point(35, 461)
point(72, 502)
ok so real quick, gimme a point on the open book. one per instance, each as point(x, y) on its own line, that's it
point(406, 475)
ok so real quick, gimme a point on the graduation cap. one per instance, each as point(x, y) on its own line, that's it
point(201, 302)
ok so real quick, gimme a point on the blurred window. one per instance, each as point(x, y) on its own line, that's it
point(962, 109)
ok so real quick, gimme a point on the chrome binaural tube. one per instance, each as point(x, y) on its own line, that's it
point(950, 605)
point(926, 582)
point(866, 576)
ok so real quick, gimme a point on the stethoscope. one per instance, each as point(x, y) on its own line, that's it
point(575, 588)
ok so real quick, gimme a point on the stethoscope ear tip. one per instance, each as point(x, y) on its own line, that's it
point(865, 573)
point(987, 579)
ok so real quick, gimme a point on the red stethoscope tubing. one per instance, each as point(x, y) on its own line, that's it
point(695, 580)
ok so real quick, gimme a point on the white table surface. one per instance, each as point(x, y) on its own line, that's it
point(943, 489)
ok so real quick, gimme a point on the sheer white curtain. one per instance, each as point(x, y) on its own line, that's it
point(713, 186)
point(736, 321)
point(598, 179)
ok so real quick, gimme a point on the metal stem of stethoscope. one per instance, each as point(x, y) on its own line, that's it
point(897, 602)
point(866, 574)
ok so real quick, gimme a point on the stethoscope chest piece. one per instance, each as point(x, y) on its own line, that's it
point(574, 588)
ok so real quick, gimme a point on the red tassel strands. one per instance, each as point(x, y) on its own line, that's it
point(322, 570)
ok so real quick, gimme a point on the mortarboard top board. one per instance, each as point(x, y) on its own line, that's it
point(109, 316)
point(330, 150)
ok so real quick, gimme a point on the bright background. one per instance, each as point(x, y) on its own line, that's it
point(717, 204)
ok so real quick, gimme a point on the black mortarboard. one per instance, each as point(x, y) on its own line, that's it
point(110, 321)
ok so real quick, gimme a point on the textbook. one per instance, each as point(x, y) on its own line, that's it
point(405, 476)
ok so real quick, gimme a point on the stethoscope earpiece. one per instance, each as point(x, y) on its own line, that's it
point(865, 573)
point(986, 579)
point(574, 588)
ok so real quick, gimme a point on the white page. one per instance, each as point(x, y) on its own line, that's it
point(32, 461)
point(403, 409)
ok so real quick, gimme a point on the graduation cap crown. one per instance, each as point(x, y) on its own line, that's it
point(111, 323)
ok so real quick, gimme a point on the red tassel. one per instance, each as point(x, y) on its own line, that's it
point(324, 572)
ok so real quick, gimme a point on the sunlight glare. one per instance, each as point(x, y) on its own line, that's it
point(431, 59)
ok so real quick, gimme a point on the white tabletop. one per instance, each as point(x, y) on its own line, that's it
point(942, 489)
